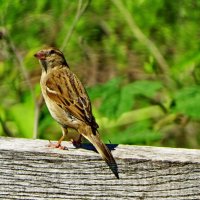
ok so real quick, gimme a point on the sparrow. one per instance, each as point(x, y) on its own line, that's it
point(68, 102)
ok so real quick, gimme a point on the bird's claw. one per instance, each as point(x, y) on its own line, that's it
point(57, 145)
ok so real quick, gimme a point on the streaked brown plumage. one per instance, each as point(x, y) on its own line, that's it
point(68, 102)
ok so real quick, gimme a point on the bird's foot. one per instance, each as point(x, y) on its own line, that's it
point(57, 145)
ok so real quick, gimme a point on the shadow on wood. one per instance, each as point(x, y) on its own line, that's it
point(90, 147)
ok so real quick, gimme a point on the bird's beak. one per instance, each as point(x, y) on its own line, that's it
point(40, 55)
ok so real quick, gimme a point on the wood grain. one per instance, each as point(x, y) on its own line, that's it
point(30, 170)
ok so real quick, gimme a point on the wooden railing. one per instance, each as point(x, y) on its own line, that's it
point(30, 170)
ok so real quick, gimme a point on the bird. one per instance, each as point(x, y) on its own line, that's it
point(68, 102)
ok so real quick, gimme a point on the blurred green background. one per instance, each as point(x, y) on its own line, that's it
point(139, 60)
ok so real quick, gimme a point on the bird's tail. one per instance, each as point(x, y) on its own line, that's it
point(103, 150)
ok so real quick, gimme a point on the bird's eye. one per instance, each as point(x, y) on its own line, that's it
point(52, 51)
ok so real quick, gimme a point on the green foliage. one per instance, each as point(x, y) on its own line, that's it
point(118, 99)
point(133, 97)
point(187, 102)
point(139, 133)
point(23, 115)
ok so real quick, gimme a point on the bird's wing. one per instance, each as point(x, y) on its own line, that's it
point(64, 88)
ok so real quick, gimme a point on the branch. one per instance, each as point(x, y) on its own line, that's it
point(164, 68)
point(80, 10)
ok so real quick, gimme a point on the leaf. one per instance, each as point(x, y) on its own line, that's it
point(104, 90)
point(187, 101)
point(110, 96)
point(126, 99)
point(129, 93)
point(23, 115)
point(137, 133)
point(145, 87)
point(117, 99)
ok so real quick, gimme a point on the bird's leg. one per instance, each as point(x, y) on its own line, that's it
point(77, 143)
point(58, 144)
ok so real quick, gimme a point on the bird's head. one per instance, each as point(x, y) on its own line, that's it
point(50, 58)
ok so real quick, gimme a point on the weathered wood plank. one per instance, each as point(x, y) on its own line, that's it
point(30, 170)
